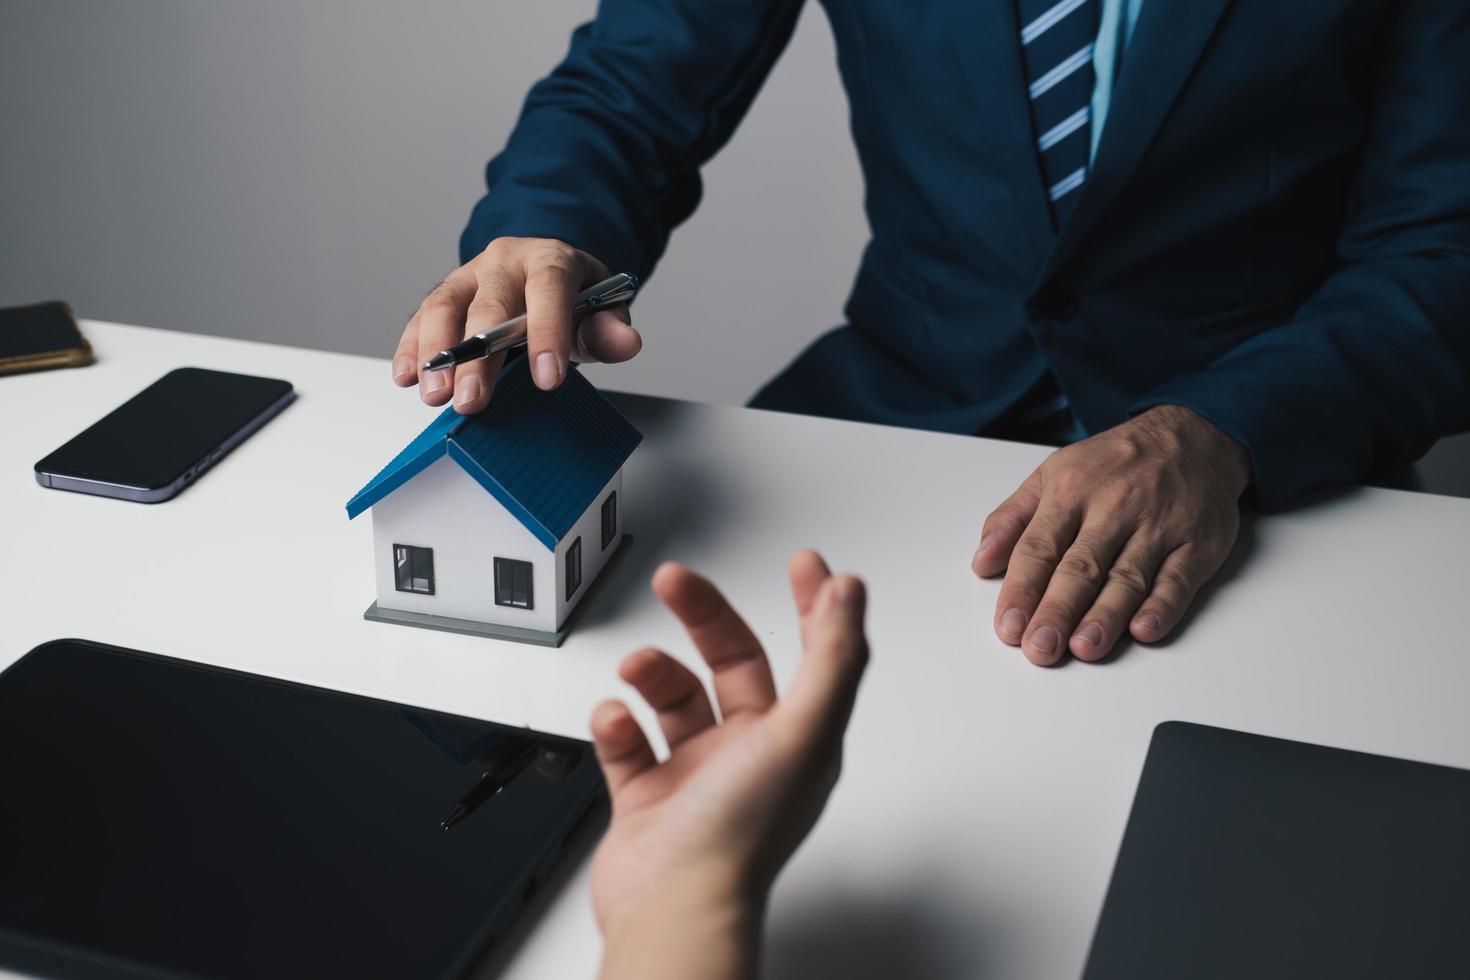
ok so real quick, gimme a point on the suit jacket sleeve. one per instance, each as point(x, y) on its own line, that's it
point(1376, 365)
point(606, 152)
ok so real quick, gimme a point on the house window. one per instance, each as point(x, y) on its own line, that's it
point(413, 569)
point(574, 567)
point(513, 584)
point(609, 519)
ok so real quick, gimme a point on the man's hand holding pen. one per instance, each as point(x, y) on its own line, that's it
point(538, 276)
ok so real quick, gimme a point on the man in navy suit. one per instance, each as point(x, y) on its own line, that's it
point(1211, 248)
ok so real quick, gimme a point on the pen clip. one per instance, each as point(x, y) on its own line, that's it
point(620, 291)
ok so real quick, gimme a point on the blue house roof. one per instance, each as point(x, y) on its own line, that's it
point(543, 454)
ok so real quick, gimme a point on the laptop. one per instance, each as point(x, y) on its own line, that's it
point(1255, 857)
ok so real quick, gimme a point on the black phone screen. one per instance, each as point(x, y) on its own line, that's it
point(159, 434)
point(160, 818)
point(44, 328)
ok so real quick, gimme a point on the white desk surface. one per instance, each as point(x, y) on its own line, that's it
point(974, 829)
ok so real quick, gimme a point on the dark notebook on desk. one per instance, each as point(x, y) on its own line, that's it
point(1255, 857)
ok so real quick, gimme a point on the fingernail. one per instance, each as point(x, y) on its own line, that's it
point(548, 373)
point(1148, 623)
point(1012, 624)
point(434, 382)
point(1043, 641)
point(467, 390)
point(402, 368)
point(981, 546)
point(846, 591)
point(1091, 634)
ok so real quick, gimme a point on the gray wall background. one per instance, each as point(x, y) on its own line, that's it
point(299, 171)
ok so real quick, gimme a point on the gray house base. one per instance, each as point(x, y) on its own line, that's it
point(494, 631)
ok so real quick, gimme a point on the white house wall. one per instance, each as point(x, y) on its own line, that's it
point(589, 526)
point(445, 509)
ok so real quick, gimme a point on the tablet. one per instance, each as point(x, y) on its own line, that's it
point(1248, 856)
point(160, 818)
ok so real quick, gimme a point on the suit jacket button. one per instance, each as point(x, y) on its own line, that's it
point(1053, 303)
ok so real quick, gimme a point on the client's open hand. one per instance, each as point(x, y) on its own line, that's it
point(678, 883)
point(1114, 534)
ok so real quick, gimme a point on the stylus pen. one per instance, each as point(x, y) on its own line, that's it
point(491, 782)
point(512, 333)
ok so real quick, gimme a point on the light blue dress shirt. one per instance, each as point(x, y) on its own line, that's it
point(1114, 31)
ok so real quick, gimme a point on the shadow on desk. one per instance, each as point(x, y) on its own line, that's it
point(908, 931)
point(676, 501)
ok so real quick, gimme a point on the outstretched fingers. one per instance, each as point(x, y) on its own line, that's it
point(622, 748)
point(742, 674)
point(672, 690)
point(822, 694)
point(807, 571)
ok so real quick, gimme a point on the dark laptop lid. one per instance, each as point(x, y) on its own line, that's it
point(1248, 856)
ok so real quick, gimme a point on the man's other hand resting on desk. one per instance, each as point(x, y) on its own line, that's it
point(680, 881)
point(540, 276)
point(1114, 535)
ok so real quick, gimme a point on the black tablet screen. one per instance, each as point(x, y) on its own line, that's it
point(193, 821)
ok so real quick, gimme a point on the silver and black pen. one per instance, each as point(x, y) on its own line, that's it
point(512, 333)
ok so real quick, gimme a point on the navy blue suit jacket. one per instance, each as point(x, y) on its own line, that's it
point(1275, 232)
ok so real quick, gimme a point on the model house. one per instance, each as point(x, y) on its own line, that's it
point(499, 523)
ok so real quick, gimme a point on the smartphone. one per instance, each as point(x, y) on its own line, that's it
point(160, 440)
point(43, 335)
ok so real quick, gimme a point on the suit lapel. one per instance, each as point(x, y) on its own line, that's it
point(990, 51)
point(1167, 42)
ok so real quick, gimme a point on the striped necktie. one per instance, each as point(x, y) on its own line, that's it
point(1057, 38)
